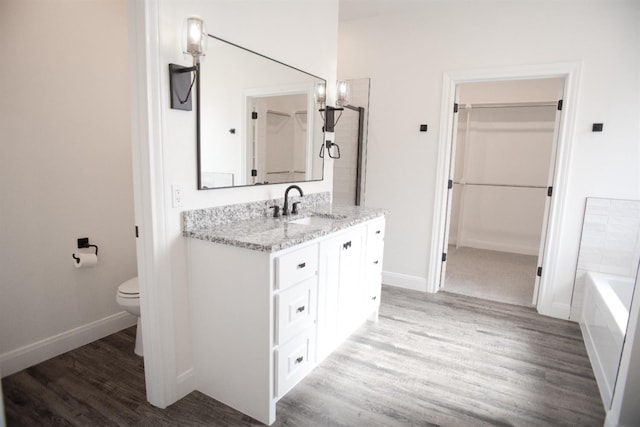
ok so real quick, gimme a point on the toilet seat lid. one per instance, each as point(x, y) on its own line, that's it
point(130, 287)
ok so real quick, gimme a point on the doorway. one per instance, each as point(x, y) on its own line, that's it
point(502, 164)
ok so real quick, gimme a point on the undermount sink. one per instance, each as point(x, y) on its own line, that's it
point(317, 219)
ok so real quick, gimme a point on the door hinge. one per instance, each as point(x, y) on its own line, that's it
point(539, 273)
point(450, 184)
point(137, 235)
point(549, 191)
point(254, 115)
point(455, 107)
point(560, 105)
point(444, 257)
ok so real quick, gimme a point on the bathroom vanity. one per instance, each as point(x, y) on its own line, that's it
point(271, 297)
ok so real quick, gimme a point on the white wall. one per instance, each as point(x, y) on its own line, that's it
point(300, 33)
point(406, 55)
point(65, 173)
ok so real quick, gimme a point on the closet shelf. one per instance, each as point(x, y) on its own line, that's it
point(482, 184)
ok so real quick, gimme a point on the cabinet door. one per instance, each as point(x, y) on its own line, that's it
point(328, 285)
point(350, 282)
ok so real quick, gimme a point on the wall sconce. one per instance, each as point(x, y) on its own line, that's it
point(180, 81)
point(328, 112)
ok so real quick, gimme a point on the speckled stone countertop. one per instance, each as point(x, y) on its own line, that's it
point(270, 234)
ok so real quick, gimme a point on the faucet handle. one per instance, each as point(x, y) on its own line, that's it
point(276, 210)
point(294, 209)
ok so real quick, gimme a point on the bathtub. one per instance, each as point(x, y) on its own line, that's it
point(603, 321)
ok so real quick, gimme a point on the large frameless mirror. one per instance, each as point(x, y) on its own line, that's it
point(255, 120)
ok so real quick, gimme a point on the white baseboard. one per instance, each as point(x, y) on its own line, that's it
point(185, 383)
point(404, 281)
point(37, 352)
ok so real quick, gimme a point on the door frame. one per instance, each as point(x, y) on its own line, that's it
point(570, 71)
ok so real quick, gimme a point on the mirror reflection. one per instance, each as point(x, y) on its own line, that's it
point(256, 120)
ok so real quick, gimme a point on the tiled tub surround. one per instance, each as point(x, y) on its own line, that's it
point(252, 225)
point(610, 243)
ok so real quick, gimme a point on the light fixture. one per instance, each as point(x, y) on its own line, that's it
point(321, 93)
point(194, 36)
point(328, 112)
point(343, 93)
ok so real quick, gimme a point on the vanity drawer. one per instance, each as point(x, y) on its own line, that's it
point(293, 362)
point(295, 309)
point(375, 244)
point(375, 230)
point(296, 266)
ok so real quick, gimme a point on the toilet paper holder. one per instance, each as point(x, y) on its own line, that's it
point(83, 242)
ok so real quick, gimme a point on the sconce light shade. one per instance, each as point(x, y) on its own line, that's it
point(321, 93)
point(343, 93)
point(195, 38)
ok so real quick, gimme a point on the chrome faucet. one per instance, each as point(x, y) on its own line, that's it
point(285, 208)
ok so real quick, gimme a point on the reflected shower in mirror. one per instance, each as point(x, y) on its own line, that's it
point(254, 122)
point(604, 284)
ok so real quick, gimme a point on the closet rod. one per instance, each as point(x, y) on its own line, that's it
point(499, 185)
point(509, 105)
point(278, 113)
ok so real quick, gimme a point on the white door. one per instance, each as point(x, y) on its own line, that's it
point(547, 204)
point(452, 163)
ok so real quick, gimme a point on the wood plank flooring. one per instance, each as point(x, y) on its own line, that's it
point(432, 359)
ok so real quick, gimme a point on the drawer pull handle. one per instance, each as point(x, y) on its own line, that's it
point(375, 262)
point(300, 309)
point(299, 359)
point(302, 265)
point(346, 245)
point(377, 231)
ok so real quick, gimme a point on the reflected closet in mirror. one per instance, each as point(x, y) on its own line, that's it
point(257, 120)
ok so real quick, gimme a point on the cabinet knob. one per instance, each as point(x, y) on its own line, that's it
point(377, 231)
point(374, 298)
point(302, 265)
point(375, 262)
point(300, 309)
point(346, 245)
point(299, 359)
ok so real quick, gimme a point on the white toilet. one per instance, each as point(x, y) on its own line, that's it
point(128, 297)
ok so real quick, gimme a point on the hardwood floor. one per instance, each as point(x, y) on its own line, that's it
point(432, 359)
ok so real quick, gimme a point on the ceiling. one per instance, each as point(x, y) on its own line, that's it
point(358, 9)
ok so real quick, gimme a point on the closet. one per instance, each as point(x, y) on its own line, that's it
point(502, 164)
point(279, 149)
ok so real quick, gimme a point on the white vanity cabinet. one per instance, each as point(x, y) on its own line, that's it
point(261, 321)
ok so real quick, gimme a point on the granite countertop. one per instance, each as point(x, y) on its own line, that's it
point(270, 234)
